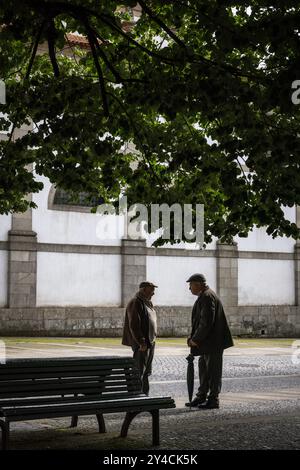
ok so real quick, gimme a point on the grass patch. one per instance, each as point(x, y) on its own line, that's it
point(167, 342)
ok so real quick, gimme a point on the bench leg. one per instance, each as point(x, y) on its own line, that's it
point(127, 421)
point(100, 420)
point(155, 427)
point(5, 434)
point(101, 423)
point(74, 422)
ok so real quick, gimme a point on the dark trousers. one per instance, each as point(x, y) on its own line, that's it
point(210, 375)
point(143, 362)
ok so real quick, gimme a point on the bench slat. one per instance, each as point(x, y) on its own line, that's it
point(119, 380)
point(109, 380)
point(92, 411)
point(59, 392)
point(57, 399)
point(75, 406)
point(49, 361)
point(57, 370)
point(69, 374)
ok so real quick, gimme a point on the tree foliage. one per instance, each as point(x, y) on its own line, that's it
point(200, 88)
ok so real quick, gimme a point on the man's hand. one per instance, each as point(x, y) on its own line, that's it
point(143, 348)
point(192, 343)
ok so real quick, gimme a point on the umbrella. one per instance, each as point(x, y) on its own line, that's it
point(190, 376)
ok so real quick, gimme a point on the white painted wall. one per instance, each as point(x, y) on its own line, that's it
point(170, 275)
point(5, 226)
point(91, 229)
point(183, 245)
point(66, 279)
point(73, 227)
point(150, 238)
point(3, 278)
point(258, 240)
point(266, 282)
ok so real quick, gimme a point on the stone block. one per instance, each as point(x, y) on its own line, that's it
point(102, 323)
point(22, 278)
point(224, 263)
point(19, 300)
point(55, 325)
point(32, 256)
point(19, 256)
point(228, 282)
point(128, 242)
point(132, 280)
point(54, 313)
point(23, 266)
point(20, 289)
point(134, 270)
point(22, 223)
point(127, 260)
point(223, 292)
point(234, 273)
point(79, 313)
point(226, 246)
point(139, 260)
point(224, 273)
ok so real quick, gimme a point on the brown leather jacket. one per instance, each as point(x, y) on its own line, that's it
point(136, 326)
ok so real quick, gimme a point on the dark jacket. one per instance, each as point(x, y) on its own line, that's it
point(136, 325)
point(209, 325)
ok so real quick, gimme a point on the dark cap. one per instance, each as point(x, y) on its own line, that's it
point(197, 278)
point(146, 284)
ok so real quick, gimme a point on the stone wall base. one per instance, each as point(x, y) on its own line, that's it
point(252, 321)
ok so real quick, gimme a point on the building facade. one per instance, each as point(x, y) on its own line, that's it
point(63, 273)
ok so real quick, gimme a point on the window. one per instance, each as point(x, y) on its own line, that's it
point(83, 199)
point(60, 199)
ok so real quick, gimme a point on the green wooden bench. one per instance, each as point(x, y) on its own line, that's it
point(60, 387)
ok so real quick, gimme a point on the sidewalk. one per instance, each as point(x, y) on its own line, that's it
point(231, 427)
point(260, 402)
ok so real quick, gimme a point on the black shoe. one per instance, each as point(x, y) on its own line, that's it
point(197, 401)
point(209, 405)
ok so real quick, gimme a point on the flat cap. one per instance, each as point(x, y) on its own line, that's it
point(146, 284)
point(197, 278)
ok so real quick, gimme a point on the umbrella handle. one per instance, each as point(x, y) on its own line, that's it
point(190, 358)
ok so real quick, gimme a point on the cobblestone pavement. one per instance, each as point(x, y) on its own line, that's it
point(260, 406)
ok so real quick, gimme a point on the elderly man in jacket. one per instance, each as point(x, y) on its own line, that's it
point(140, 331)
point(209, 337)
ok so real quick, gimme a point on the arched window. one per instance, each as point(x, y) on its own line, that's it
point(60, 199)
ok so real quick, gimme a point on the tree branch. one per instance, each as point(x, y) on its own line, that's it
point(51, 34)
point(35, 46)
point(160, 23)
point(103, 55)
point(91, 39)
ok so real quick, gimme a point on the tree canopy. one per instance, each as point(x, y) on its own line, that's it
point(202, 89)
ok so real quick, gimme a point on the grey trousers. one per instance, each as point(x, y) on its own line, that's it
point(210, 375)
point(143, 362)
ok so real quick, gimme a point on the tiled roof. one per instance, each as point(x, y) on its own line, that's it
point(78, 40)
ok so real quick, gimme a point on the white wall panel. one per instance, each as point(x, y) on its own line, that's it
point(3, 278)
point(5, 226)
point(171, 273)
point(78, 279)
point(259, 240)
point(266, 282)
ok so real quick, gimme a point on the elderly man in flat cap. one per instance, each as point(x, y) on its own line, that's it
point(209, 337)
point(140, 331)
